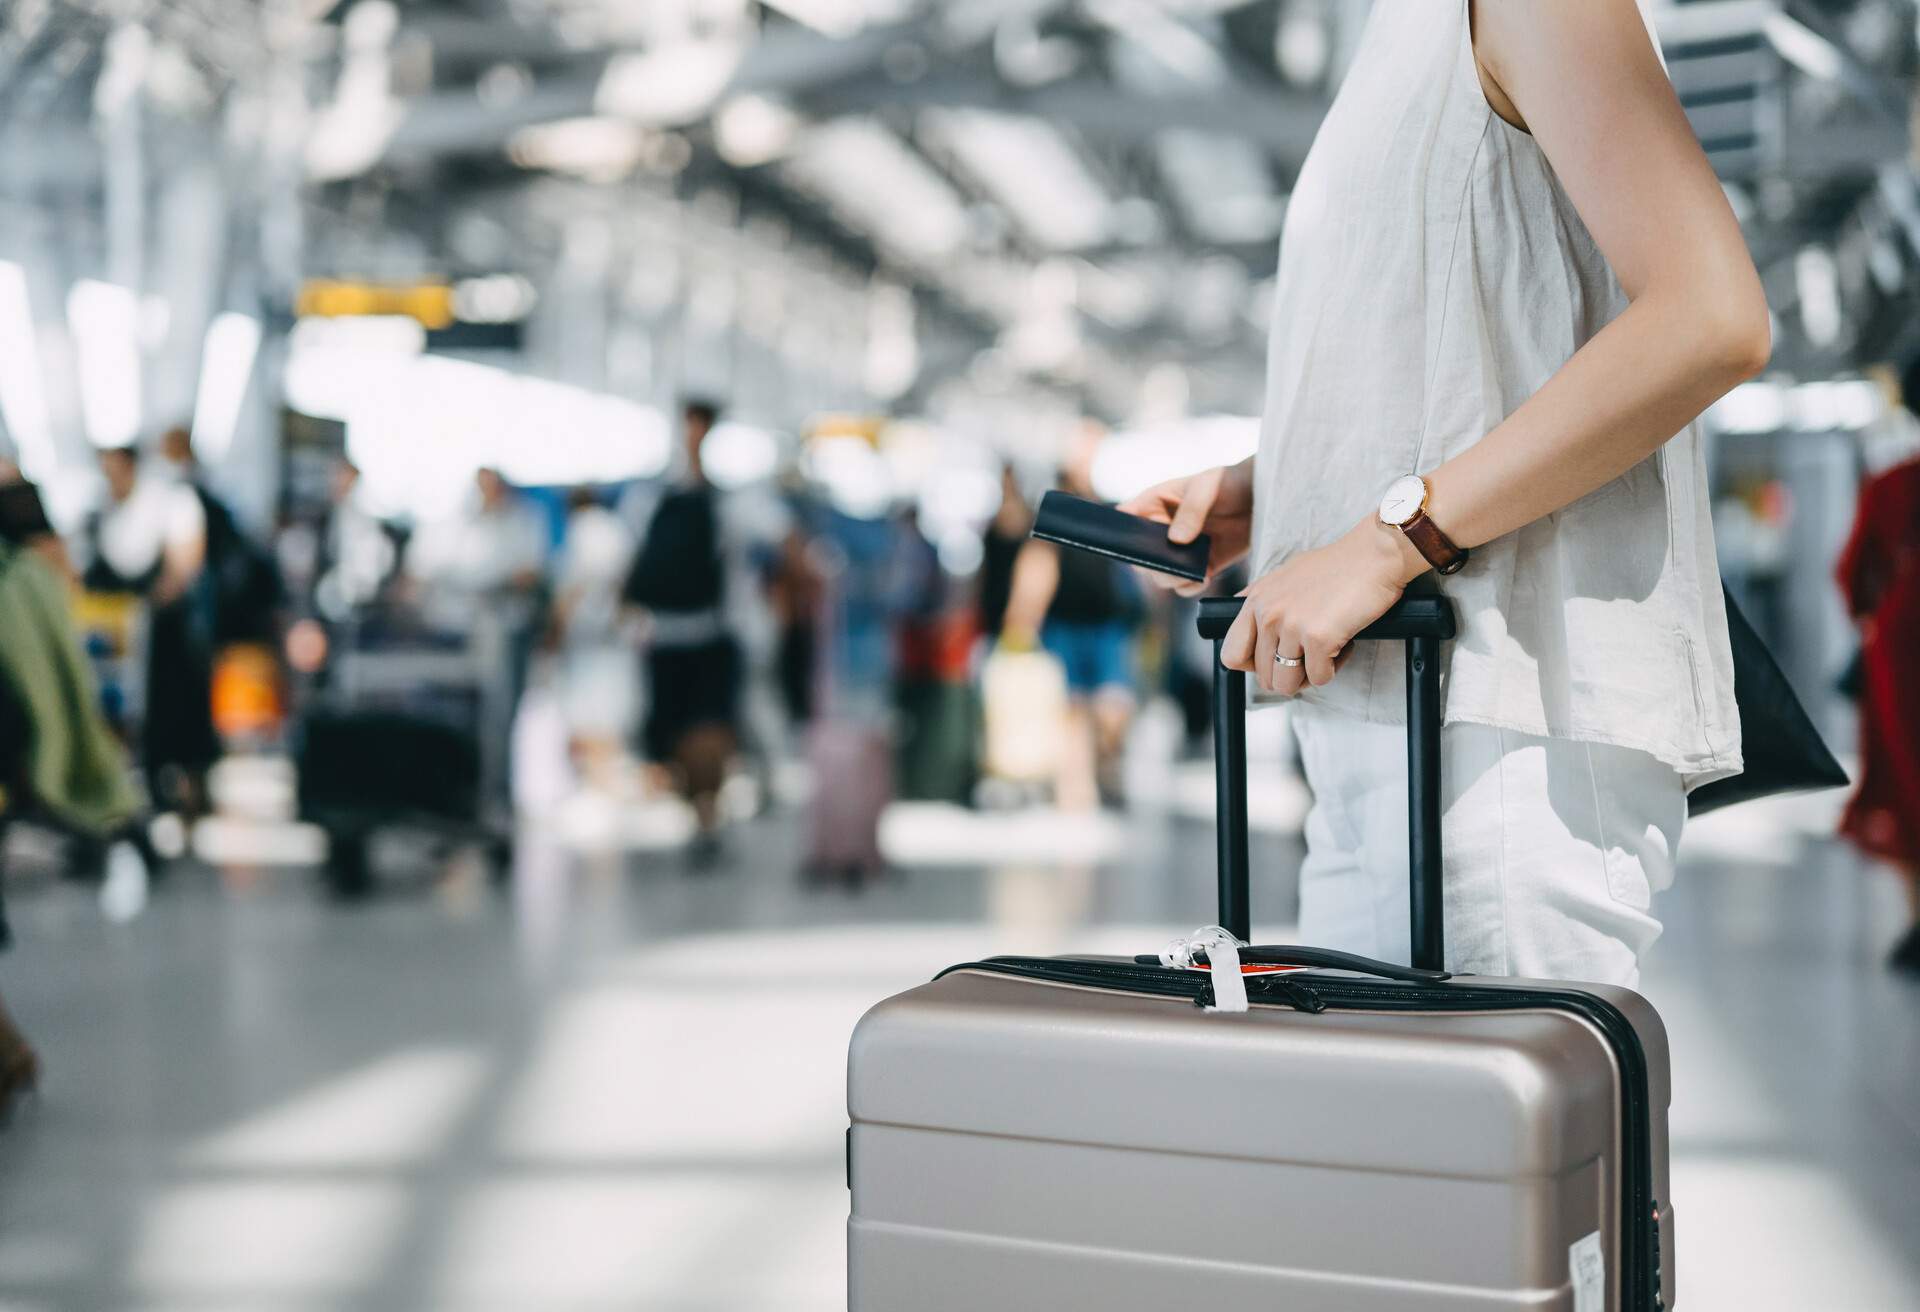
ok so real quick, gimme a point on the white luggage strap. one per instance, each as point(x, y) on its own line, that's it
point(1223, 961)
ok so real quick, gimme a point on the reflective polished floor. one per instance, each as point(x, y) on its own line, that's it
point(618, 1085)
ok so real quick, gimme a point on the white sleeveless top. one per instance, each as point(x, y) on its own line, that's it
point(1433, 275)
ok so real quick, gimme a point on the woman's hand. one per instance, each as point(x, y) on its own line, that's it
point(1311, 606)
point(1217, 502)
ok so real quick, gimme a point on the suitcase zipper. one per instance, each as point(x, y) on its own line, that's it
point(1314, 993)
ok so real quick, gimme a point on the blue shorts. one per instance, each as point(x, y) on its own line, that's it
point(1096, 656)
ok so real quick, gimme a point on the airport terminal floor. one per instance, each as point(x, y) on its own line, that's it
point(613, 1083)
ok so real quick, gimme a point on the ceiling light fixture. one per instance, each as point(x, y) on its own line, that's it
point(670, 85)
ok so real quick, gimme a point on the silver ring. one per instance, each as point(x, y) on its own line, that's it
point(1289, 662)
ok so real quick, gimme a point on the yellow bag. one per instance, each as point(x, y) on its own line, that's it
point(1025, 693)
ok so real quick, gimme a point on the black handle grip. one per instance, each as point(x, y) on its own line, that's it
point(1411, 617)
point(1327, 959)
point(1423, 622)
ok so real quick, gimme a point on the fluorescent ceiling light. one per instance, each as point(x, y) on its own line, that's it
point(670, 85)
point(833, 17)
point(1817, 280)
point(23, 402)
point(226, 367)
point(598, 149)
point(1303, 43)
point(1163, 39)
point(1031, 170)
point(495, 298)
point(752, 130)
point(840, 17)
point(352, 133)
point(1804, 48)
point(105, 321)
point(878, 185)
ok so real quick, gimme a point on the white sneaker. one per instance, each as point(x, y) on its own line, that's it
point(123, 895)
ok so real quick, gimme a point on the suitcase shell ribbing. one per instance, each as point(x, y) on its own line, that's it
point(1066, 1133)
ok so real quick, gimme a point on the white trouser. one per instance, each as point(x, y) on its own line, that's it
point(1552, 850)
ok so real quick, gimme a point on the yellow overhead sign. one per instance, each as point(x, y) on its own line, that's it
point(326, 298)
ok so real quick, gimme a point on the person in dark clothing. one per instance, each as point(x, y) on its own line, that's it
point(679, 578)
point(1000, 546)
point(244, 585)
point(24, 522)
point(797, 592)
point(1083, 609)
point(150, 540)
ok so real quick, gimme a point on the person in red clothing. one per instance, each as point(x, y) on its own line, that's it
point(1880, 575)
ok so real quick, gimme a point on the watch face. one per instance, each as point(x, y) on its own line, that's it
point(1403, 500)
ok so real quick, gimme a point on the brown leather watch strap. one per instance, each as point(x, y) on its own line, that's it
point(1435, 546)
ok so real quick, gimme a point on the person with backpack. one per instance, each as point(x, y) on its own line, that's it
point(693, 660)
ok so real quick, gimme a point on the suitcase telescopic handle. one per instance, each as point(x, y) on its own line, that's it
point(1423, 623)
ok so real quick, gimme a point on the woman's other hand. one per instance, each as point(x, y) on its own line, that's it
point(1310, 608)
point(1217, 502)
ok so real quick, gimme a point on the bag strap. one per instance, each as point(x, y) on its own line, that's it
point(1423, 623)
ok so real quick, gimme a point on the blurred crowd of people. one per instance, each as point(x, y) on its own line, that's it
point(678, 636)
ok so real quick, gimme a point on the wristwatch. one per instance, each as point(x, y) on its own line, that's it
point(1405, 508)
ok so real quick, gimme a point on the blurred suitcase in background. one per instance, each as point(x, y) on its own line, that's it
point(936, 760)
point(1025, 696)
point(387, 764)
point(1041, 1133)
point(937, 757)
point(361, 770)
point(852, 765)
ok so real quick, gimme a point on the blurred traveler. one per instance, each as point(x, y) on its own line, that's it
point(933, 696)
point(595, 557)
point(481, 574)
point(245, 585)
point(1880, 577)
point(357, 554)
point(1083, 609)
point(24, 522)
point(1494, 337)
point(1005, 535)
point(149, 539)
point(59, 763)
point(797, 591)
point(487, 560)
point(680, 579)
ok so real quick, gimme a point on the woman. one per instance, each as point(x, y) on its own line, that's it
point(1509, 279)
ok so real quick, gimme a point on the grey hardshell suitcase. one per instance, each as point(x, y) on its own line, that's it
point(1054, 1133)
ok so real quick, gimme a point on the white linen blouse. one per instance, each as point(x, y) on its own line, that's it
point(1433, 275)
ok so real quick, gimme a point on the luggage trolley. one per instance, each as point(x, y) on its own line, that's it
point(409, 730)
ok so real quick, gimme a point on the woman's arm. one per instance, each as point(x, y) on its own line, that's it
point(1585, 80)
point(1036, 577)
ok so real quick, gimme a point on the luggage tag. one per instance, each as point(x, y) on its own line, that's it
point(1229, 986)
